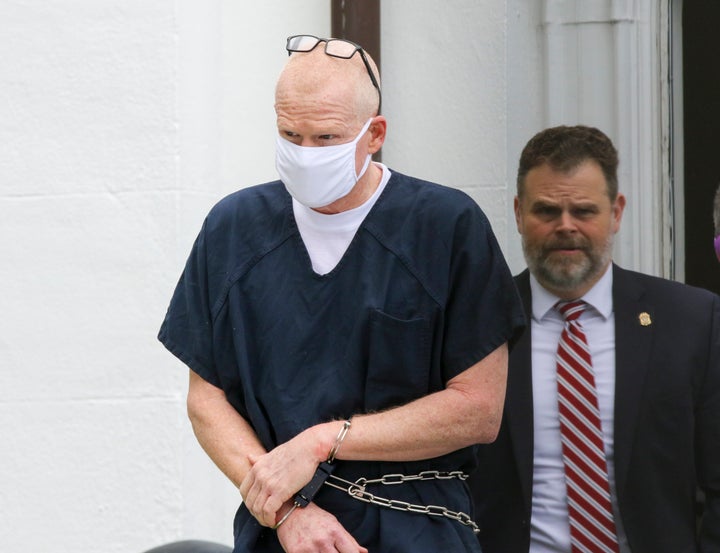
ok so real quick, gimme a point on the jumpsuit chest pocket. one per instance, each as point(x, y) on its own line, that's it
point(398, 356)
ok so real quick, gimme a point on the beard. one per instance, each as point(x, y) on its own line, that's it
point(566, 272)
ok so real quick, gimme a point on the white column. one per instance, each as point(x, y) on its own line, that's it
point(606, 66)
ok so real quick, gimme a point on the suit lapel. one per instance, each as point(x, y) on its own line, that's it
point(519, 403)
point(633, 336)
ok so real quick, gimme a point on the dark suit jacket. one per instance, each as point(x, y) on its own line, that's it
point(667, 424)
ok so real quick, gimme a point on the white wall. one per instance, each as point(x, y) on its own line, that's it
point(445, 96)
point(90, 450)
point(525, 72)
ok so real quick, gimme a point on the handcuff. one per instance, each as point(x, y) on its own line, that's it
point(303, 498)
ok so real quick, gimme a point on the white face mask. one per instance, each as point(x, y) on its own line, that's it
point(318, 176)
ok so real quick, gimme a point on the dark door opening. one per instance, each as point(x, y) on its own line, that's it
point(701, 107)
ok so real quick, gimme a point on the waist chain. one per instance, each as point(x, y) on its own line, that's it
point(357, 490)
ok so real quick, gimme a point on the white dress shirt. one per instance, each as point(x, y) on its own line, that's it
point(550, 526)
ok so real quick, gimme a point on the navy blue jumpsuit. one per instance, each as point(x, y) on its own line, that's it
point(422, 293)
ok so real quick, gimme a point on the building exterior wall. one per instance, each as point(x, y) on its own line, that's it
point(123, 122)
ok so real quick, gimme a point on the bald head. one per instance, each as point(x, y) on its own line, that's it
point(327, 81)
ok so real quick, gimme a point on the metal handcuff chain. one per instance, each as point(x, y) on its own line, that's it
point(357, 490)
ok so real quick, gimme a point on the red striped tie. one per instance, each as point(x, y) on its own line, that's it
point(592, 528)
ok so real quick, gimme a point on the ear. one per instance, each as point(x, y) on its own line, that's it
point(378, 130)
point(617, 211)
point(518, 216)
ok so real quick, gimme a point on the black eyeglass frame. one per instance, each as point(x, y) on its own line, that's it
point(327, 41)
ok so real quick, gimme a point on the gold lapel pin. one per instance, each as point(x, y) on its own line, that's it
point(644, 319)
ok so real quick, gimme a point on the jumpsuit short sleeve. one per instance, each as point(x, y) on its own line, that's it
point(187, 328)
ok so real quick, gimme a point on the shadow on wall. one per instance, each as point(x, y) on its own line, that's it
point(191, 546)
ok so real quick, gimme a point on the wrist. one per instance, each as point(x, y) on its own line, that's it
point(322, 437)
point(339, 439)
point(290, 507)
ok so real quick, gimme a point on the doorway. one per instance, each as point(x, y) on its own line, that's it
point(701, 131)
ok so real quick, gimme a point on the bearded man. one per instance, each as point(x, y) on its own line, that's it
point(612, 414)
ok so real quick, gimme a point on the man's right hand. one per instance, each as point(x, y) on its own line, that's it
point(313, 530)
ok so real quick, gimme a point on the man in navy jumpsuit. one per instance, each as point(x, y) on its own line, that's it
point(344, 311)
